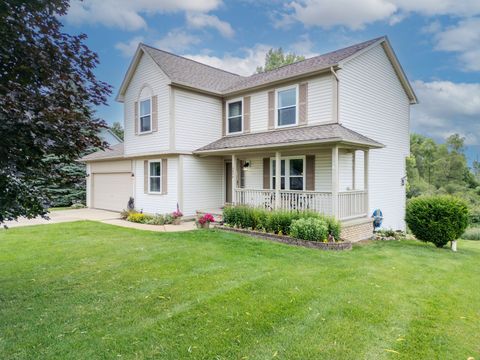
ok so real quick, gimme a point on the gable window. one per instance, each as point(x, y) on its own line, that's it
point(287, 107)
point(145, 119)
point(234, 117)
point(292, 173)
point(155, 176)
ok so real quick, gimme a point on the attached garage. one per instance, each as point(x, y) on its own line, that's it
point(111, 184)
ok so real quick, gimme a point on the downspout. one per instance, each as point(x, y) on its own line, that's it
point(335, 95)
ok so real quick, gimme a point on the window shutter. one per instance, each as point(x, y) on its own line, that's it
point(310, 172)
point(145, 176)
point(302, 103)
point(135, 117)
point(224, 118)
point(155, 113)
point(271, 110)
point(164, 176)
point(246, 114)
point(266, 173)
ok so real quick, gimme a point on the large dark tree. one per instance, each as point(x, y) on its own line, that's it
point(47, 94)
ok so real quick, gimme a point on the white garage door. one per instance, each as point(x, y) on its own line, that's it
point(112, 191)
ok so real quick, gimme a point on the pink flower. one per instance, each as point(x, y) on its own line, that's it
point(177, 214)
point(206, 218)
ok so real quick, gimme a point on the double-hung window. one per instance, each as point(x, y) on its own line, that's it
point(234, 117)
point(291, 173)
point(145, 118)
point(155, 176)
point(287, 106)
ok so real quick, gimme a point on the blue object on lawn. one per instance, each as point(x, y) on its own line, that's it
point(377, 218)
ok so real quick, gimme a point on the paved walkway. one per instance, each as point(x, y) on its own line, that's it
point(107, 217)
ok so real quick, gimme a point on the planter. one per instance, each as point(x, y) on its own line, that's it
point(335, 246)
point(204, 226)
point(177, 221)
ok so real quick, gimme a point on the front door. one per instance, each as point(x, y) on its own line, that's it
point(228, 182)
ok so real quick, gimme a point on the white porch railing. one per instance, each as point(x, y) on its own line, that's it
point(289, 199)
point(351, 204)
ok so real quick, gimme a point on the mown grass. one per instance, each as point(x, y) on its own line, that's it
point(87, 290)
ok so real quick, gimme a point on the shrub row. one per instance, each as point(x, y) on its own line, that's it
point(136, 217)
point(280, 221)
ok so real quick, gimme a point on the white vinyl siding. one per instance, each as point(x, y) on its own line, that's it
point(345, 161)
point(320, 100)
point(198, 120)
point(323, 170)
point(373, 102)
point(155, 203)
point(203, 184)
point(147, 79)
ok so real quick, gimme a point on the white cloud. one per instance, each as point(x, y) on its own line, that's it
point(200, 21)
point(243, 65)
point(126, 14)
point(128, 48)
point(304, 46)
point(446, 108)
point(176, 40)
point(356, 14)
point(463, 38)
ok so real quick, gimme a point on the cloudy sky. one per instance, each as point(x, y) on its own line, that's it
point(437, 42)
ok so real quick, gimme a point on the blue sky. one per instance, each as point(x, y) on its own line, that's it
point(437, 42)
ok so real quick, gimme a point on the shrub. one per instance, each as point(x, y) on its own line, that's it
point(280, 221)
point(126, 213)
point(168, 219)
point(78, 205)
point(472, 233)
point(311, 229)
point(334, 226)
point(156, 220)
point(139, 218)
point(437, 219)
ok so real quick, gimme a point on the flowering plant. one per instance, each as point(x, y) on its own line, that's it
point(177, 214)
point(207, 218)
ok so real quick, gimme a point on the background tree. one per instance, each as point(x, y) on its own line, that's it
point(117, 129)
point(47, 92)
point(276, 58)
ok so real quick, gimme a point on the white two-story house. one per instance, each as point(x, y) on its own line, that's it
point(330, 134)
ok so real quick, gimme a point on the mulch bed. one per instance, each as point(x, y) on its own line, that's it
point(337, 246)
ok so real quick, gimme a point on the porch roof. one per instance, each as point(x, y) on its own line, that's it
point(307, 135)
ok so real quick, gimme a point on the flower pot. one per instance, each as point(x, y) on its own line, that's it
point(177, 221)
point(206, 225)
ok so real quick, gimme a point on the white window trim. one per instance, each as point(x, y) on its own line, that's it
point(296, 106)
point(287, 171)
point(161, 175)
point(227, 117)
point(140, 116)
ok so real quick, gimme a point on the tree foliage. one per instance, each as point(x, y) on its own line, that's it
point(47, 93)
point(439, 169)
point(117, 129)
point(276, 58)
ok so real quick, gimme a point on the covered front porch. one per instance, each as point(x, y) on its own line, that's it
point(304, 181)
point(321, 168)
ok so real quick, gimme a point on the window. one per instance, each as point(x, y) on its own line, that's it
point(291, 172)
point(145, 120)
point(234, 116)
point(154, 176)
point(287, 107)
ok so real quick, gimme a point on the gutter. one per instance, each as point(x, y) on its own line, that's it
point(335, 95)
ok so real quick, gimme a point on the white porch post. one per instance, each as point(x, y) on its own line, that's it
point(234, 178)
point(335, 179)
point(278, 178)
point(365, 182)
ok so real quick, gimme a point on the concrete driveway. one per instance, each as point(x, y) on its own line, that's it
point(61, 216)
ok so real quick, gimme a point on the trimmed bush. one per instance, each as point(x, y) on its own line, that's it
point(437, 219)
point(310, 229)
point(156, 220)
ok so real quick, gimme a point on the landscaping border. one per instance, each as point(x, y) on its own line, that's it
point(334, 246)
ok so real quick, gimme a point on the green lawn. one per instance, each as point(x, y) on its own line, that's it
point(87, 290)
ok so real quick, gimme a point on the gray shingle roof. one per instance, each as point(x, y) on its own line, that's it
point(197, 75)
point(192, 73)
point(115, 151)
point(328, 133)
